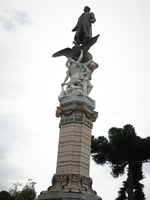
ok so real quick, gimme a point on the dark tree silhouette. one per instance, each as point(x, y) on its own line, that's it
point(4, 195)
point(137, 186)
point(16, 192)
point(123, 149)
point(28, 192)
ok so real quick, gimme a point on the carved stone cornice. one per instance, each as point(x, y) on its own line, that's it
point(90, 114)
point(85, 111)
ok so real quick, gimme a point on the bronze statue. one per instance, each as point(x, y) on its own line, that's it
point(84, 28)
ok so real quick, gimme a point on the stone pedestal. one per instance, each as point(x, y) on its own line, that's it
point(72, 180)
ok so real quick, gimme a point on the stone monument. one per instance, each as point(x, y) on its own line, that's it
point(76, 111)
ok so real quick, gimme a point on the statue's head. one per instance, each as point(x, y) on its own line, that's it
point(86, 9)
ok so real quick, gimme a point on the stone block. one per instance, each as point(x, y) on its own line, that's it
point(79, 99)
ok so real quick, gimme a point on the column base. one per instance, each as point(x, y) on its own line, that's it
point(69, 186)
point(67, 196)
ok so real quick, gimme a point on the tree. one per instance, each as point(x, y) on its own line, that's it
point(14, 190)
point(28, 192)
point(123, 149)
point(137, 186)
point(4, 195)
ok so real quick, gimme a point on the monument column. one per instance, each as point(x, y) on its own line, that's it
point(76, 111)
point(73, 161)
point(77, 114)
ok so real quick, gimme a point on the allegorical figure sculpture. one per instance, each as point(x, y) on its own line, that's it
point(73, 72)
point(80, 64)
point(84, 28)
point(79, 75)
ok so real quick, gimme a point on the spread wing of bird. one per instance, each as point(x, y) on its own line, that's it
point(88, 43)
point(68, 52)
point(74, 52)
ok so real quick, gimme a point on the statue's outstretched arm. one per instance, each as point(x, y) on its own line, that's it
point(80, 57)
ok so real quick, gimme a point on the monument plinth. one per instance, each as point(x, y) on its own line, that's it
point(76, 111)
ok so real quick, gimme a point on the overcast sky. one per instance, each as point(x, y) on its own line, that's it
point(30, 83)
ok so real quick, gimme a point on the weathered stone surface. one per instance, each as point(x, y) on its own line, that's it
point(70, 183)
point(79, 99)
point(73, 159)
point(67, 196)
point(75, 137)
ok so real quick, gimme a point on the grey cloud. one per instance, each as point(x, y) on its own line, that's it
point(9, 174)
point(8, 25)
point(10, 89)
point(11, 131)
point(14, 18)
point(10, 85)
point(21, 17)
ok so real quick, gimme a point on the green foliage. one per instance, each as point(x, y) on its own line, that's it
point(14, 190)
point(18, 193)
point(4, 195)
point(99, 149)
point(138, 193)
point(123, 149)
point(137, 175)
point(28, 192)
point(122, 194)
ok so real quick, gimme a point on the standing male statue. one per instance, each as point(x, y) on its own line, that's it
point(84, 28)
